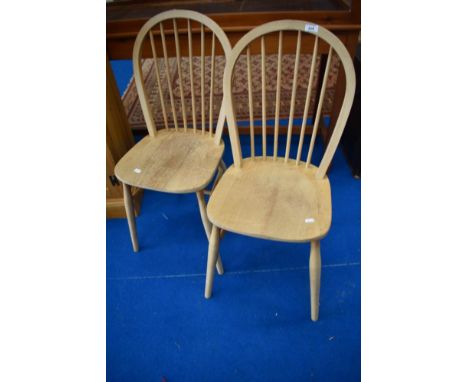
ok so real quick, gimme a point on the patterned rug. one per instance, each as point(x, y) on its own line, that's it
point(240, 91)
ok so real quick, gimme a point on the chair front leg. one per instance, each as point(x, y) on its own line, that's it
point(212, 257)
point(130, 211)
point(315, 264)
point(207, 226)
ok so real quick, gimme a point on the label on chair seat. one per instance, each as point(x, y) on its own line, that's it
point(309, 220)
point(311, 28)
point(137, 170)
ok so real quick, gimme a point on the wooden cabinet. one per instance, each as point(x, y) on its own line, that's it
point(119, 140)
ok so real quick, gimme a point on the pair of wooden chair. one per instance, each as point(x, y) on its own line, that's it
point(267, 196)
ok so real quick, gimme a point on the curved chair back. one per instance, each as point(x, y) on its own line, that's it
point(277, 28)
point(197, 31)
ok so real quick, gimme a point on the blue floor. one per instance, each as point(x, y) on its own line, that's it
point(257, 325)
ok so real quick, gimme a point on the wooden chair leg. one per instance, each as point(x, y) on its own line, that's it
point(219, 174)
point(130, 210)
point(212, 257)
point(315, 264)
point(223, 165)
point(221, 169)
point(207, 225)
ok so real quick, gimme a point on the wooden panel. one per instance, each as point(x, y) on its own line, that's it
point(134, 9)
point(115, 207)
point(119, 140)
point(124, 19)
point(120, 48)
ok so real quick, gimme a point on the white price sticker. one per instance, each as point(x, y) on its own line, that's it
point(309, 220)
point(311, 28)
point(137, 170)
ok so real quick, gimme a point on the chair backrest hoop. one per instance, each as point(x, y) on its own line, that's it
point(137, 50)
point(304, 27)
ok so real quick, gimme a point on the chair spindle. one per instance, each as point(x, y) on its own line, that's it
point(192, 88)
point(251, 116)
point(278, 93)
point(213, 68)
point(293, 96)
point(202, 75)
point(319, 107)
point(169, 85)
point(307, 102)
point(158, 80)
point(264, 138)
point(179, 70)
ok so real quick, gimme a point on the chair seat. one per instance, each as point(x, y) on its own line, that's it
point(272, 199)
point(172, 161)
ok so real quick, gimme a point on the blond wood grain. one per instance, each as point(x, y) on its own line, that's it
point(290, 25)
point(251, 115)
point(137, 52)
point(169, 85)
point(130, 211)
point(272, 200)
point(145, 104)
point(207, 225)
point(279, 200)
point(213, 249)
point(158, 80)
point(173, 161)
point(318, 113)
point(202, 76)
point(264, 136)
point(307, 102)
point(293, 96)
point(192, 87)
point(179, 71)
point(278, 93)
point(315, 265)
point(213, 68)
point(218, 175)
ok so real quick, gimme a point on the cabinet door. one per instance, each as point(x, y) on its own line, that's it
point(119, 140)
point(113, 186)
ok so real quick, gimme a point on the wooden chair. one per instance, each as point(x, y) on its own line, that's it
point(273, 197)
point(183, 158)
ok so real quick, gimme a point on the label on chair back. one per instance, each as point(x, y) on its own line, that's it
point(311, 28)
point(309, 220)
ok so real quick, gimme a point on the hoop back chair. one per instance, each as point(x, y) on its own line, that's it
point(274, 197)
point(182, 158)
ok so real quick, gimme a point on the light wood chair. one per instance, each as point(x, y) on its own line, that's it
point(273, 197)
point(183, 158)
